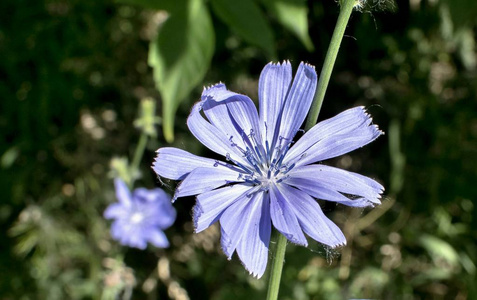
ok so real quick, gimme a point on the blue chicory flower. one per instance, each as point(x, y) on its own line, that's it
point(267, 178)
point(140, 217)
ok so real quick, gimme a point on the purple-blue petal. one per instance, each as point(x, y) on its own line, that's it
point(154, 195)
point(211, 137)
point(164, 215)
point(253, 248)
point(240, 108)
point(341, 134)
point(202, 180)
point(128, 235)
point(273, 87)
point(344, 122)
point(122, 192)
point(210, 205)
point(219, 116)
point(341, 181)
point(174, 163)
point(283, 217)
point(312, 219)
point(234, 221)
point(156, 207)
point(158, 239)
point(312, 188)
point(115, 210)
point(298, 101)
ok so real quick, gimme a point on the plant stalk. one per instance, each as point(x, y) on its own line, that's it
point(138, 153)
point(343, 18)
point(277, 266)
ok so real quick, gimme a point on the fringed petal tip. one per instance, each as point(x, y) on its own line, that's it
point(369, 203)
point(376, 130)
point(197, 211)
point(339, 245)
point(286, 62)
point(213, 86)
point(379, 188)
point(310, 73)
point(307, 65)
point(226, 245)
point(254, 274)
point(257, 274)
point(292, 239)
point(374, 201)
point(377, 200)
point(369, 120)
point(209, 91)
point(283, 63)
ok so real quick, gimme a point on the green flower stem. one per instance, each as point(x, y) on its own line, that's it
point(277, 266)
point(345, 13)
point(141, 146)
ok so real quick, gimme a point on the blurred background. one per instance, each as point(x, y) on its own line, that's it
point(73, 73)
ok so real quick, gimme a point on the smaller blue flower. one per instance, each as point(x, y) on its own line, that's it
point(140, 217)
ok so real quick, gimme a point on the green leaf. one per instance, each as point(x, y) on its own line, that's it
point(462, 12)
point(9, 157)
point(292, 14)
point(248, 21)
point(439, 249)
point(180, 56)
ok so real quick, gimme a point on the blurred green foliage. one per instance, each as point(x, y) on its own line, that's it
point(72, 77)
point(182, 50)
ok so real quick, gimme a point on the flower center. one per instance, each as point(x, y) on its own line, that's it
point(136, 217)
point(265, 162)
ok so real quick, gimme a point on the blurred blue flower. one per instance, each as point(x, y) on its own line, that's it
point(265, 180)
point(140, 217)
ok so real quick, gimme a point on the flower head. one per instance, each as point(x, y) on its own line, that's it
point(140, 217)
point(267, 178)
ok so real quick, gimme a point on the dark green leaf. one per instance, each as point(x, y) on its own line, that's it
point(292, 14)
point(180, 56)
point(246, 19)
